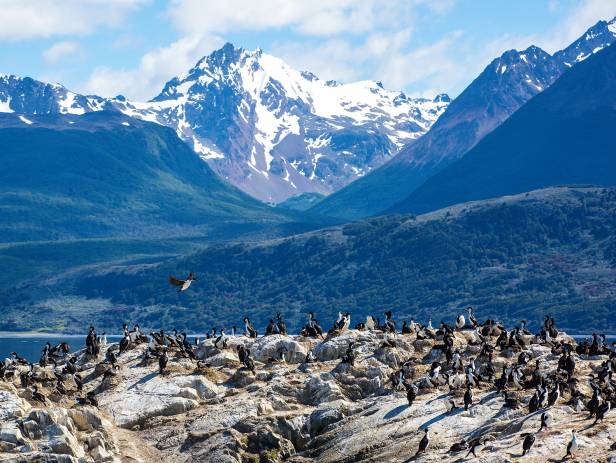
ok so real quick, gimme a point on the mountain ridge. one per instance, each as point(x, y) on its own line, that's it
point(580, 103)
point(270, 130)
point(502, 88)
point(104, 174)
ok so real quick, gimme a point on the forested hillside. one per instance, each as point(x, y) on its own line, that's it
point(549, 251)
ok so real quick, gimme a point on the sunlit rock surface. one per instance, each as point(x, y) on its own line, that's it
point(289, 410)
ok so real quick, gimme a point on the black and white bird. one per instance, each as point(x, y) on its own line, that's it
point(124, 343)
point(281, 325)
point(390, 324)
point(249, 363)
point(78, 381)
point(510, 401)
point(546, 420)
point(411, 392)
point(572, 445)
point(528, 442)
point(271, 328)
point(460, 322)
point(468, 397)
point(248, 329)
point(163, 359)
point(183, 285)
point(553, 396)
point(37, 396)
point(310, 357)
point(602, 410)
point(471, 317)
point(221, 339)
point(423, 443)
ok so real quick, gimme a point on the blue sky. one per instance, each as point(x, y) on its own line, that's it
point(423, 47)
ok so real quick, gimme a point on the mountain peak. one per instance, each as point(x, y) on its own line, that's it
point(596, 38)
point(224, 56)
point(265, 127)
point(442, 98)
point(276, 132)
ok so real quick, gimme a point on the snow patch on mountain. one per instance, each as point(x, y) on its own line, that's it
point(276, 132)
point(253, 117)
point(269, 129)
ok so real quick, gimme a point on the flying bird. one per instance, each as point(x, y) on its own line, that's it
point(183, 284)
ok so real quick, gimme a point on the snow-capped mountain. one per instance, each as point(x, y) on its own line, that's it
point(270, 130)
point(595, 39)
point(504, 86)
point(24, 95)
point(276, 132)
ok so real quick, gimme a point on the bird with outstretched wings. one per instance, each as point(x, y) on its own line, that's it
point(183, 284)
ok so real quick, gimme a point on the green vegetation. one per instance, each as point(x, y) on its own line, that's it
point(302, 202)
point(543, 252)
point(100, 179)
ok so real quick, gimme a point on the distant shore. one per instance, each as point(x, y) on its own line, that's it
point(42, 334)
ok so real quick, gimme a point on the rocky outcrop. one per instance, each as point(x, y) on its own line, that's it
point(288, 410)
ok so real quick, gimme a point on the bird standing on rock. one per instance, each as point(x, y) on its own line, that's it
point(162, 361)
point(468, 397)
point(473, 446)
point(602, 411)
point(423, 443)
point(249, 330)
point(411, 392)
point(281, 325)
point(38, 396)
point(269, 329)
point(221, 339)
point(125, 342)
point(528, 442)
point(546, 420)
point(573, 445)
point(460, 322)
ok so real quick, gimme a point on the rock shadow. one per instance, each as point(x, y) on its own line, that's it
point(395, 412)
point(143, 380)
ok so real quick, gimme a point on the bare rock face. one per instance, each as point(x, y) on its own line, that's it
point(215, 410)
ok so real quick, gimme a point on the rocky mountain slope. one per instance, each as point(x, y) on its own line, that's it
point(327, 410)
point(514, 257)
point(272, 131)
point(506, 84)
point(581, 104)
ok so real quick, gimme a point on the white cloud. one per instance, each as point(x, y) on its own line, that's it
point(580, 18)
point(60, 50)
point(334, 59)
point(325, 21)
point(21, 20)
point(155, 68)
point(313, 17)
point(344, 40)
point(389, 58)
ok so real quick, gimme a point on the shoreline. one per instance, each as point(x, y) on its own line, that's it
point(40, 334)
